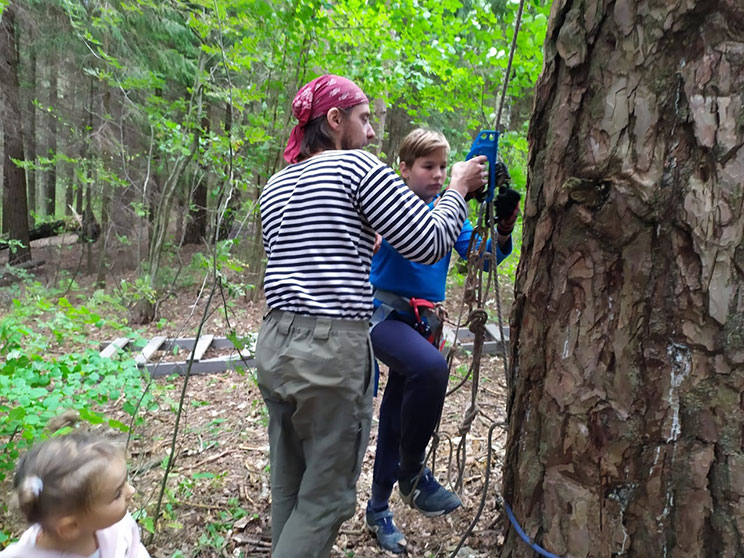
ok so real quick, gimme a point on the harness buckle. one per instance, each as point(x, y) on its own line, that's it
point(422, 324)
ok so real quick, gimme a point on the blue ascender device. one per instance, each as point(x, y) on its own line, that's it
point(487, 143)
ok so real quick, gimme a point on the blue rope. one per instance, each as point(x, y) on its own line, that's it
point(524, 536)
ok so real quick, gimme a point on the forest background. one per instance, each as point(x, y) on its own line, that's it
point(149, 128)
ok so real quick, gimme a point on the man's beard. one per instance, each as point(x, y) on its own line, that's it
point(347, 142)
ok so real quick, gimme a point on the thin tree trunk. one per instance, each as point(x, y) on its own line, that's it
point(106, 188)
point(627, 349)
point(86, 152)
point(105, 229)
point(15, 205)
point(70, 182)
point(196, 226)
point(30, 135)
point(4, 221)
point(88, 208)
point(52, 114)
point(380, 114)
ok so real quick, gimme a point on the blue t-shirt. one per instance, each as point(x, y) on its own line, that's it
point(392, 272)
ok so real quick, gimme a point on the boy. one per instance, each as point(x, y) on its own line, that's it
point(417, 381)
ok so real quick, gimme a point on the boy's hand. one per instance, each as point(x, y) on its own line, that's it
point(502, 174)
point(469, 176)
point(377, 244)
point(506, 205)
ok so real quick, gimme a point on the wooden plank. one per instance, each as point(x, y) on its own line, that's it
point(149, 349)
point(493, 331)
point(187, 343)
point(209, 366)
point(114, 346)
point(202, 345)
point(492, 344)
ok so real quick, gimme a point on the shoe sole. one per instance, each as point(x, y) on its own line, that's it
point(373, 532)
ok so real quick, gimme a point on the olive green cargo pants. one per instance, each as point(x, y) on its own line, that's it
point(316, 377)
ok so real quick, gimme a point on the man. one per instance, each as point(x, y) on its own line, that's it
point(313, 354)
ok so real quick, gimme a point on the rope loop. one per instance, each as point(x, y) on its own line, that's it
point(467, 420)
point(477, 320)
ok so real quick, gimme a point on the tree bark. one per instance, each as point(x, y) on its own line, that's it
point(30, 134)
point(196, 226)
point(627, 347)
point(15, 204)
point(50, 195)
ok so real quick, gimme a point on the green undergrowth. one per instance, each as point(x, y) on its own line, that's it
point(50, 363)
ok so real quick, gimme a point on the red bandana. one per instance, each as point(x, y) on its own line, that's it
point(316, 99)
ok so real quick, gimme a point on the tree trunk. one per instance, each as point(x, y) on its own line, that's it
point(379, 114)
point(86, 153)
point(104, 224)
point(105, 229)
point(397, 125)
point(107, 154)
point(196, 226)
point(627, 349)
point(15, 205)
point(69, 101)
point(30, 134)
point(52, 114)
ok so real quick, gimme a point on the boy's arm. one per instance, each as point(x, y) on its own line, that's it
point(503, 246)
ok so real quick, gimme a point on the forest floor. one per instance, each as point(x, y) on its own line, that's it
point(217, 497)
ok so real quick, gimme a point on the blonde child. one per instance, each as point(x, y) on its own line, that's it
point(74, 491)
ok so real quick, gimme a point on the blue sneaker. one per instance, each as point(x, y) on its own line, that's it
point(381, 525)
point(424, 493)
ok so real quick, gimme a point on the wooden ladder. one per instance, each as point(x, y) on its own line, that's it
point(196, 351)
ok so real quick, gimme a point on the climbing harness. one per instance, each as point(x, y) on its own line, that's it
point(426, 317)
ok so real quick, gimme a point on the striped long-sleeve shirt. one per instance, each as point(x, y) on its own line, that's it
point(319, 218)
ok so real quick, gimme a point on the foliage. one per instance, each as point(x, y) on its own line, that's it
point(197, 92)
point(36, 384)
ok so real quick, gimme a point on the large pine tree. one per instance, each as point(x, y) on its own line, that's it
point(626, 433)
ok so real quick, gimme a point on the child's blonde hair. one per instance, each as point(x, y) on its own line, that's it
point(61, 474)
point(419, 143)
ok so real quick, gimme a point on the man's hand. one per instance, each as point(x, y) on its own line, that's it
point(502, 177)
point(469, 176)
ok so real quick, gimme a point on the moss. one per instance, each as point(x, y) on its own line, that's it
point(733, 331)
point(590, 193)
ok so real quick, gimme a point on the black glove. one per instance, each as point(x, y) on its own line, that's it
point(506, 205)
point(502, 177)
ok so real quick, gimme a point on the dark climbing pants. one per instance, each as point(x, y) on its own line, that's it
point(412, 402)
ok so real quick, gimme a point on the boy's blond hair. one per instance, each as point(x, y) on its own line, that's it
point(419, 143)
